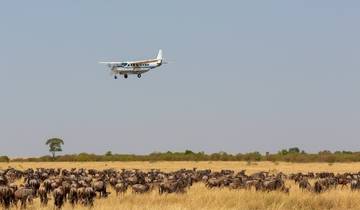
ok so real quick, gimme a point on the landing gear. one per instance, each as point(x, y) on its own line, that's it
point(125, 76)
point(115, 77)
point(139, 75)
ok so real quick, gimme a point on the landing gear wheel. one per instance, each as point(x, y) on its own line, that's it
point(125, 76)
point(139, 75)
point(115, 77)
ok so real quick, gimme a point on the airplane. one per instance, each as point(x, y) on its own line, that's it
point(134, 67)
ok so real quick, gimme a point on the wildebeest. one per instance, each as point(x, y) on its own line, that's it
point(6, 196)
point(73, 196)
point(171, 187)
point(34, 184)
point(88, 196)
point(43, 195)
point(100, 186)
point(319, 187)
point(216, 182)
point(59, 197)
point(140, 188)
point(271, 185)
point(80, 186)
point(23, 194)
point(304, 184)
point(355, 185)
point(121, 187)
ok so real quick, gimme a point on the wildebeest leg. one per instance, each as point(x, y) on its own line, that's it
point(23, 203)
point(30, 199)
point(6, 202)
point(15, 202)
point(105, 194)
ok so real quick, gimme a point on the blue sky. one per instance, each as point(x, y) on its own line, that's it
point(245, 76)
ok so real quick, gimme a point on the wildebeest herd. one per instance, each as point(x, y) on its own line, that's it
point(83, 186)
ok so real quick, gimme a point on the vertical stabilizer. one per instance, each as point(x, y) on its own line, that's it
point(159, 56)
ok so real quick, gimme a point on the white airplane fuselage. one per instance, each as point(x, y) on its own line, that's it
point(135, 67)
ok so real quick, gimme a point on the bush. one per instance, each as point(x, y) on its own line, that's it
point(4, 159)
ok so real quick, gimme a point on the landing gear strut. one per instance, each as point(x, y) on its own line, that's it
point(125, 76)
point(139, 75)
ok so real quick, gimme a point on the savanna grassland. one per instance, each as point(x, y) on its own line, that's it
point(250, 167)
point(200, 197)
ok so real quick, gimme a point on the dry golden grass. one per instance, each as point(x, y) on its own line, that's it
point(199, 197)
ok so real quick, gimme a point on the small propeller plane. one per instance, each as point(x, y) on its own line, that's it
point(134, 67)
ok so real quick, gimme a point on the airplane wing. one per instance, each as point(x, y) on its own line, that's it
point(111, 63)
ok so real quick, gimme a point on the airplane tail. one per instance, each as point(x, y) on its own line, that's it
point(159, 56)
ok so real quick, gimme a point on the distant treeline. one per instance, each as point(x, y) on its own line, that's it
point(287, 155)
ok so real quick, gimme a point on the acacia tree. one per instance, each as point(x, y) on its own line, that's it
point(54, 145)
